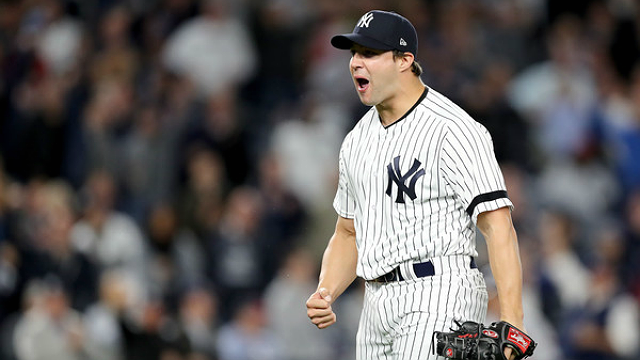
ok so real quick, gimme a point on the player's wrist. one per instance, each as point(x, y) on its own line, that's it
point(325, 293)
point(515, 320)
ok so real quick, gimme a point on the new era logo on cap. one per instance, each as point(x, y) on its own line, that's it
point(380, 30)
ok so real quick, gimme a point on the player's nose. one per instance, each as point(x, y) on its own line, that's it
point(356, 61)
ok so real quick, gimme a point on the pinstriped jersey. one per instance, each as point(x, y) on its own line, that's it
point(415, 188)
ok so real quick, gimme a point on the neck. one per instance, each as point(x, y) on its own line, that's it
point(392, 110)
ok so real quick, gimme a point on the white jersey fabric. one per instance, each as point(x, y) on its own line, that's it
point(416, 187)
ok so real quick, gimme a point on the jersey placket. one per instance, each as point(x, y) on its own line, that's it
point(383, 156)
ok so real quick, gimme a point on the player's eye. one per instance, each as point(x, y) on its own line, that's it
point(364, 53)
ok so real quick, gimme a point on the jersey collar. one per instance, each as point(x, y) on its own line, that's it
point(424, 94)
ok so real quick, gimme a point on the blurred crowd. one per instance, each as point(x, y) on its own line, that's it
point(167, 169)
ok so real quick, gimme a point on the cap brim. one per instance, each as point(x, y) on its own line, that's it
point(345, 41)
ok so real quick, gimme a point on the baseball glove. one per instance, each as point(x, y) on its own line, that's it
point(473, 341)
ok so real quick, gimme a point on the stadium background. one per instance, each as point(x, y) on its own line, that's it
point(168, 168)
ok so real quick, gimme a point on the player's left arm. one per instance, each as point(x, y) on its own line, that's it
point(504, 257)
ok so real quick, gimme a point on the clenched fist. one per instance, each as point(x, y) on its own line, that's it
point(319, 309)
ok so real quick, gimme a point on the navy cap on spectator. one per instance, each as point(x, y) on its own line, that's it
point(381, 30)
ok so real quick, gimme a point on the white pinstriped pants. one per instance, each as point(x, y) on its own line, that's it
point(398, 318)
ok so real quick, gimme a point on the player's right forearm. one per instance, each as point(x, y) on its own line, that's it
point(339, 260)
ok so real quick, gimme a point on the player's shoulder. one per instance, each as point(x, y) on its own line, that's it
point(361, 129)
point(451, 115)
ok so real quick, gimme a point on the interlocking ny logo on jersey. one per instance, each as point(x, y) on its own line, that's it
point(395, 176)
point(365, 20)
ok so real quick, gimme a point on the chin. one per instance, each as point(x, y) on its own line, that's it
point(367, 101)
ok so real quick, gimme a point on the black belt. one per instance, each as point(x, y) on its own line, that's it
point(421, 270)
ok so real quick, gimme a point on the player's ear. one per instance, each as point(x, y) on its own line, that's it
point(406, 60)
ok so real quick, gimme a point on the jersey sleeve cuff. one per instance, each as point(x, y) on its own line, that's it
point(488, 202)
point(341, 212)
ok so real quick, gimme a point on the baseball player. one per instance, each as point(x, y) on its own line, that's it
point(417, 175)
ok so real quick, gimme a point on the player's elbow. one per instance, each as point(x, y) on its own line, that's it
point(345, 228)
point(496, 224)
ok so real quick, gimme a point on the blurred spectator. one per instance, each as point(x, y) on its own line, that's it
point(26, 220)
point(110, 238)
point(60, 42)
point(487, 103)
point(617, 126)
point(564, 183)
point(607, 325)
point(510, 31)
point(306, 148)
point(201, 48)
point(102, 320)
point(201, 202)
point(175, 97)
point(105, 119)
point(153, 333)
point(295, 281)
point(222, 128)
point(240, 254)
point(44, 66)
point(44, 142)
point(116, 58)
point(57, 255)
point(108, 115)
point(38, 124)
point(150, 162)
point(246, 336)
point(9, 255)
point(177, 258)
point(453, 51)
point(284, 214)
point(198, 318)
point(280, 29)
point(556, 95)
point(49, 329)
point(9, 279)
point(326, 73)
point(21, 71)
point(174, 12)
point(41, 246)
point(600, 25)
point(630, 262)
point(624, 44)
point(558, 236)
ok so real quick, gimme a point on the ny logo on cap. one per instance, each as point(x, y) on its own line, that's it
point(365, 20)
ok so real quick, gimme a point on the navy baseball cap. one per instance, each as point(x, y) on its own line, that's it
point(380, 30)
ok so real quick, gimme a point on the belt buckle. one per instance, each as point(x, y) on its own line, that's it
point(388, 277)
point(393, 275)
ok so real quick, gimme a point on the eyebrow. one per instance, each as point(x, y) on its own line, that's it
point(360, 48)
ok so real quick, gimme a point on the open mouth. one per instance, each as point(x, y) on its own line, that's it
point(362, 83)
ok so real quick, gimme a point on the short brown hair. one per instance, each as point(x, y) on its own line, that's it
point(416, 68)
